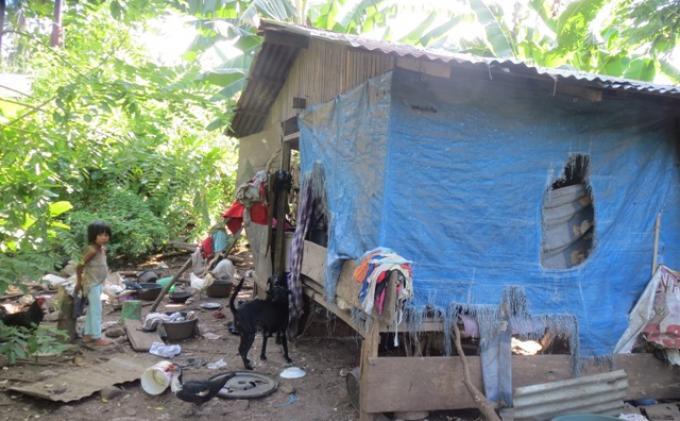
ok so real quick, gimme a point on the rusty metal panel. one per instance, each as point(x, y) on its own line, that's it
point(598, 394)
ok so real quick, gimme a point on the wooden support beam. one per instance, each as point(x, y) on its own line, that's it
point(343, 315)
point(436, 383)
point(280, 251)
point(369, 350)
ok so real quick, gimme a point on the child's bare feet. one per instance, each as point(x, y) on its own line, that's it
point(89, 340)
point(102, 342)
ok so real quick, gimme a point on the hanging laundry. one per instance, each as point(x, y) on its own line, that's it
point(312, 202)
point(252, 196)
point(373, 271)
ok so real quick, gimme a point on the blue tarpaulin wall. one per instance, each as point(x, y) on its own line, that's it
point(452, 175)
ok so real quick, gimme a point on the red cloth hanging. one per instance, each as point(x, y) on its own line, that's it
point(258, 214)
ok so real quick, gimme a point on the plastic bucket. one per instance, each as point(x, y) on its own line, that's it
point(131, 310)
point(157, 378)
point(164, 281)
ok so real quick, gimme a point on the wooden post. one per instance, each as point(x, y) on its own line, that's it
point(369, 349)
point(657, 228)
point(281, 202)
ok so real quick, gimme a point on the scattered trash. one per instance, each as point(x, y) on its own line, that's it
point(292, 373)
point(211, 336)
point(217, 364)
point(109, 324)
point(166, 351)
point(211, 306)
point(152, 320)
point(292, 398)
point(114, 332)
point(190, 362)
point(157, 378)
point(53, 281)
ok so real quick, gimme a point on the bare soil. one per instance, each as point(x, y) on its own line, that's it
point(321, 394)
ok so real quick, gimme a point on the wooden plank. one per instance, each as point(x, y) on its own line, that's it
point(314, 262)
point(343, 315)
point(348, 288)
point(369, 350)
point(436, 383)
point(141, 341)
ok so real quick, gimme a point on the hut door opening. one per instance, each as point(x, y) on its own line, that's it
point(568, 217)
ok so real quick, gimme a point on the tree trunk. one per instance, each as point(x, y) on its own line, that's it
point(57, 39)
point(3, 8)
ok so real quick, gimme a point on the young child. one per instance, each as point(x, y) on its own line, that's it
point(91, 273)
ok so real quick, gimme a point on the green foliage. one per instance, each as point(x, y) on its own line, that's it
point(107, 134)
point(136, 229)
point(122, 138)
point(21, 343)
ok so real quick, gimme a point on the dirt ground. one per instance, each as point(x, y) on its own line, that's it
point(327, 352)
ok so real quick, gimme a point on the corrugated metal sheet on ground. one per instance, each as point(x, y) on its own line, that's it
point(82, 382)
point(598, 394)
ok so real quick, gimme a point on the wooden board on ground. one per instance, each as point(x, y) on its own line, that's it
point(436, 383)
point(141, 341)
point(77, 383)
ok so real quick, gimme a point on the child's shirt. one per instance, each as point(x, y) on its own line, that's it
point(96, 270)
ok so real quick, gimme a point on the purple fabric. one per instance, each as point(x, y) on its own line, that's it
point(295, 298)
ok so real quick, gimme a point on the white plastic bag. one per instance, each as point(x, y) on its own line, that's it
point(224, 270)
point(197, 262)
point(165, 351)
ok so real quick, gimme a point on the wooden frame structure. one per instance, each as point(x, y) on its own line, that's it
point(299, 67)
point(396, 384)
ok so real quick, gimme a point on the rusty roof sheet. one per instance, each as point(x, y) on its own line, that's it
point(275, 61)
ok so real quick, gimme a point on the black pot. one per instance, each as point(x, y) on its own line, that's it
point(179, 296)
point(147, 276)
point(149, 291)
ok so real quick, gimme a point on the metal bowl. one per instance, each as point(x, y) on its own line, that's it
point(177, 331)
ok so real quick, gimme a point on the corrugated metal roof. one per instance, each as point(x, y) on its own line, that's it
point(276, 59)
